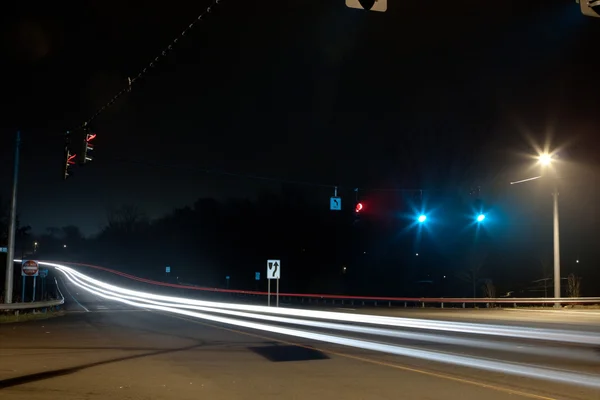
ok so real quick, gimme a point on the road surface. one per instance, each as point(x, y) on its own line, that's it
point(104, 349)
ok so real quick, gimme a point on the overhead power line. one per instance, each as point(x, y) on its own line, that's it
point(265, 178)
point(131, 80)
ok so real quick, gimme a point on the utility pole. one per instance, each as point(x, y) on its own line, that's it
point(10, 256)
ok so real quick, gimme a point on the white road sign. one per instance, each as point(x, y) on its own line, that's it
point(273, 269)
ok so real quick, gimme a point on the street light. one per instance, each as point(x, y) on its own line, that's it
point(480, 217)
point(422, 218)
point(546, 160)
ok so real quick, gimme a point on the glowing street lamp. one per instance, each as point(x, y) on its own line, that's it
point(422, 218)
point(480, 217)
point(546, 160)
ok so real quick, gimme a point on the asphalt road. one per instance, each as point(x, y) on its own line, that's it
point(103, 349)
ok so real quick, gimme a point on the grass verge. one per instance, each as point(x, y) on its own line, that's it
point(8, 318)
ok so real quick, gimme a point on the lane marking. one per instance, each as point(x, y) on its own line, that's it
point(73, 297)
point(376, 362)
point(582, 313)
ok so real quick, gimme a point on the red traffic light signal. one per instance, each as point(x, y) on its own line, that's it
point(359, 207)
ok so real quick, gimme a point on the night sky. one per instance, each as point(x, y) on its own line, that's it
point(423, 96)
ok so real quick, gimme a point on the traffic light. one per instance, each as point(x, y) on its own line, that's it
point(591, 8)
point(69, 160)
point(369, 5)
point(88, 147)
point(359, 207)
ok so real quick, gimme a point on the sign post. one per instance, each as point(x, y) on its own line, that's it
point(43, 274)
point(273, 272)
point(29, 268)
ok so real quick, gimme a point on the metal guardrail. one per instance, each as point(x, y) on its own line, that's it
point(310, 298)
point(32, 305)
point(35, 304)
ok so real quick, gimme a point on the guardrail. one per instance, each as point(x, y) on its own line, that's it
point(32, 305)
point(311, 298)
point(35, 304)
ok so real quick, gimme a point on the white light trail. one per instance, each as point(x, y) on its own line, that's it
point(489, 365)
point(586, 338)
point(543, 351)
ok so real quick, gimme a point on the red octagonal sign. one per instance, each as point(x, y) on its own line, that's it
point(30, 268)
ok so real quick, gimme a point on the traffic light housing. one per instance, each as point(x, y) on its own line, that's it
point(88, 147)
point(68, 161)
point(591, 8)
point(69, 158)
point(369, 5)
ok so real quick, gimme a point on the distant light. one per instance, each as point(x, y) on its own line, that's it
point(480, 217)
point(359, 207)
point(35, 243)
point(444, 276)
point(422, 218)
point(577, 261)
point(417, 254)
point(545, 159)
point(64, 245)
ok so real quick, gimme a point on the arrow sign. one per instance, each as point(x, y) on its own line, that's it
point(273, 270)
point(335, 203)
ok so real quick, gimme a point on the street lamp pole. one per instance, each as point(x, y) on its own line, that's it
point(546, 160)
point(10, 256)
point(557, 291)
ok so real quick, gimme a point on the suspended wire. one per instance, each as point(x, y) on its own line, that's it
point(150, 65)
point(263, 177)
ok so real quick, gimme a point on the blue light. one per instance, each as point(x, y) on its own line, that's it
point(480, 217)
point(422, 218)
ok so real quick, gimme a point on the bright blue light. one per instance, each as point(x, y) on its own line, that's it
point(480, 217)
point(422, 218)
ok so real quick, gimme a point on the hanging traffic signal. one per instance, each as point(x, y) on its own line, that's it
point(68, 161)
point(88, 147)
point(369, 5)
point(591, 8)
point(359, 207)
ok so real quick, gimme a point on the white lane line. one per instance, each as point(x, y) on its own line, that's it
point(582, 312)
point(73, 297)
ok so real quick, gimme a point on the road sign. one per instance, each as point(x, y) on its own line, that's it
point(257, 276)
point(335, 203)
point(370, 5)
point(43, 273)
point(273, 269)
point(3, 249)
point(30, 268)
point(168, 269)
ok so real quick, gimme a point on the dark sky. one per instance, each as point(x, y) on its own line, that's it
point(421, 96)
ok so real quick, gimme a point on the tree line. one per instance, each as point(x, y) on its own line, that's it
point(320, 251)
